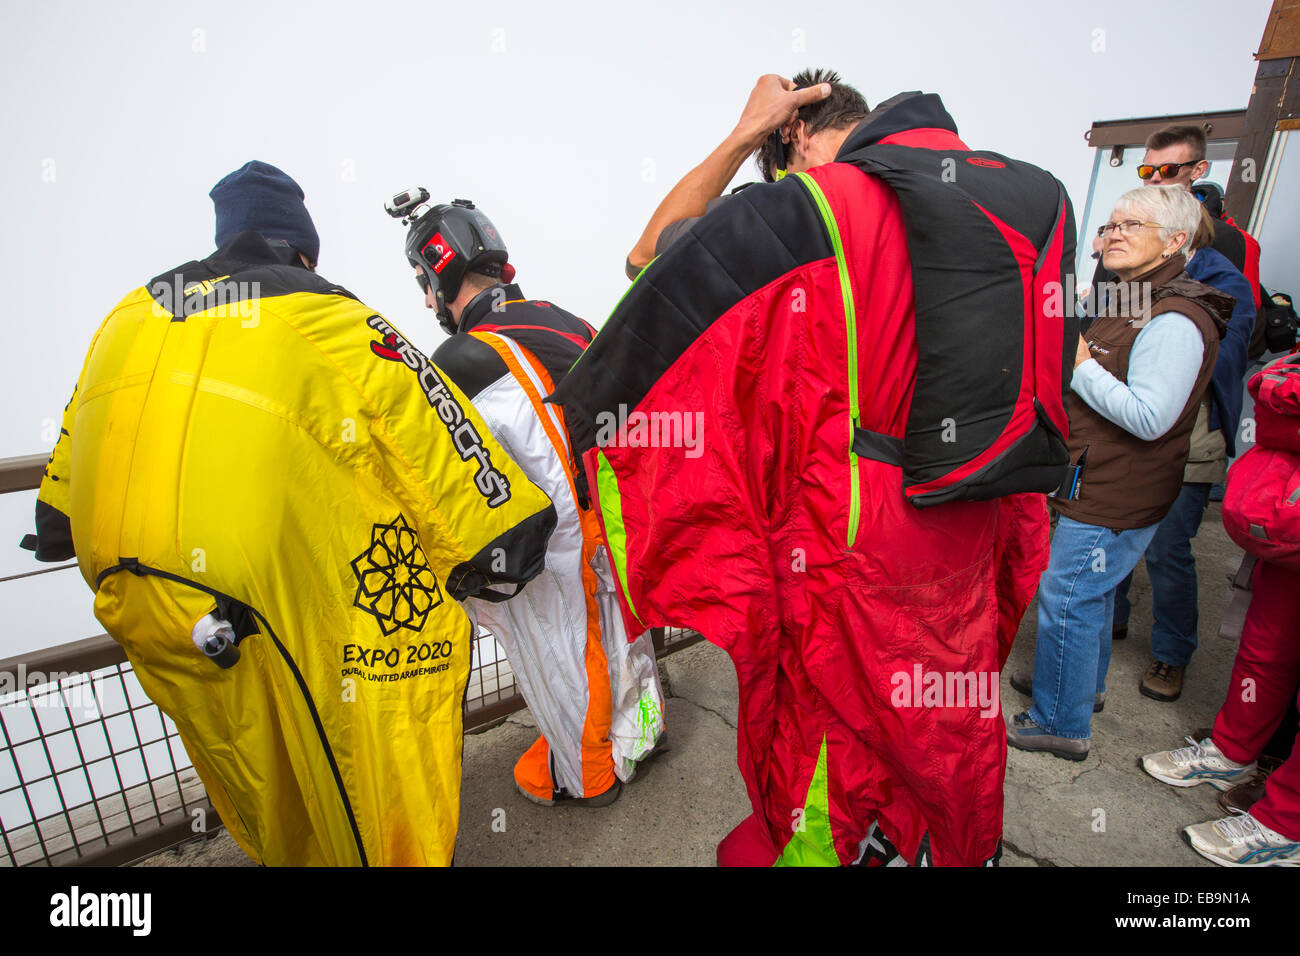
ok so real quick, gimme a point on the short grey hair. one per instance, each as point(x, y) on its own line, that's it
point(1174, 207)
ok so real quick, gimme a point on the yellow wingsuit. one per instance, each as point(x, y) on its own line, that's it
point(249, 443)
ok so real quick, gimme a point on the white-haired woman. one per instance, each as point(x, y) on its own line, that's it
point(1139, 376)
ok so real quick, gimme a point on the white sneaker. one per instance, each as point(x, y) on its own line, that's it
point(1242, 841)
point(1199, 763)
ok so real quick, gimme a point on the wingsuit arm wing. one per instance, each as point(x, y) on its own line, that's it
point(671, 510)
point(53, 538)
point(474, 506)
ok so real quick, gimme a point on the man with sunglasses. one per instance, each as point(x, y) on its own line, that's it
point(1175, 156)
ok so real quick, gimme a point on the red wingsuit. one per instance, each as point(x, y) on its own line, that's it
point(867, 633)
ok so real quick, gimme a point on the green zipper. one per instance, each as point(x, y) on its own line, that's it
point(851, 325)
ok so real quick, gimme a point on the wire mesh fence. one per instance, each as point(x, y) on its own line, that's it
point(88, 767)
point(93, 773)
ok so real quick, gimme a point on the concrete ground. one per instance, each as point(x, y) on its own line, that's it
point(1104, 811)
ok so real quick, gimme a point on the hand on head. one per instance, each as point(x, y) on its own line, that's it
point(773, 104)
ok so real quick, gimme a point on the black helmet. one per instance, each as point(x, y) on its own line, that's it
point(1211, 194)
point(445, 243)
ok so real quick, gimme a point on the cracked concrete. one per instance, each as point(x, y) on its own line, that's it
point(719, 715)
point(1015, 851)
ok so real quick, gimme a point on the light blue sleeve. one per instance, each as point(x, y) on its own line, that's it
point(1162, 370)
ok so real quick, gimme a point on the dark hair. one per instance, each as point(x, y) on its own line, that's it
point(844, 107)
point(1168, 136)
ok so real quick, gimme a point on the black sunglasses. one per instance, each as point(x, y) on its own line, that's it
point(422, 278)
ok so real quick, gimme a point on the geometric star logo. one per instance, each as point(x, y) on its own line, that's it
point(394, 582)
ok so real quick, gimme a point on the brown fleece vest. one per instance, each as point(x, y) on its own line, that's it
point(1127, 482)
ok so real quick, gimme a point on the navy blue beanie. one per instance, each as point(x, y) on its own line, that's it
point(259, 197)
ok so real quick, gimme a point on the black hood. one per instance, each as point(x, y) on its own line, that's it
point(480, 307)
point(246, 265)
point(912, 110)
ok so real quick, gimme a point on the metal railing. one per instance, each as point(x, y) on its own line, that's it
point(92, 773)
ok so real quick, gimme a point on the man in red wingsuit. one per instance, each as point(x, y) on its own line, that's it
point(753, 398)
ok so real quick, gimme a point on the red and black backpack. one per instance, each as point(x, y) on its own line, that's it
point(1261, 504)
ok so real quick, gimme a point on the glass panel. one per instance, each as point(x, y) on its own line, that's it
point(1279, 231)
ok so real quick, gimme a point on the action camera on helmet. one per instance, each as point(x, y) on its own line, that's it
point(408, 205)
point(445, 243)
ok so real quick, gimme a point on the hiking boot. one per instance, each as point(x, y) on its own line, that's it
point(1199, 763)
point(1162, 681)
point(562, 796)
point(1023, 681)
point(1245, 795)
point(1242, 841)
point(1024, 734)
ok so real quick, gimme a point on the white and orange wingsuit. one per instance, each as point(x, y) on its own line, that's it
point(595, 693)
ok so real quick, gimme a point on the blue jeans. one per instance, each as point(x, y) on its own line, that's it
point(1172, 570)
point(1076, 598)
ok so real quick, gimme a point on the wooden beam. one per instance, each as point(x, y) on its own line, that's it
point(1282, 32)
point(1227, 124)
point(1275, 97)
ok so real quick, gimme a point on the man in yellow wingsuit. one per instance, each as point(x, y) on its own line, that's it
point(279, 502)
